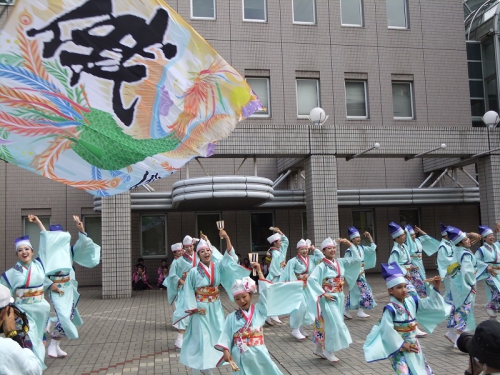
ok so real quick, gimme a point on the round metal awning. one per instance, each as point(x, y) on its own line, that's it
point(221, 193)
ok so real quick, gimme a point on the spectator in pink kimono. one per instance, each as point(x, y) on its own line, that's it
point(140, 279)
point(162, 274)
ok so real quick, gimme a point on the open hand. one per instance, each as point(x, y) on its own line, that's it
point(79, 223)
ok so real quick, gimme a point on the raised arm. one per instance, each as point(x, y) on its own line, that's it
point(35, 219)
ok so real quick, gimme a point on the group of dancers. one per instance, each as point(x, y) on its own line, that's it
point(310, 288)
point(52, 270)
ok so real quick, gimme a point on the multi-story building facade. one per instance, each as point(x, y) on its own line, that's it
point(392, 72)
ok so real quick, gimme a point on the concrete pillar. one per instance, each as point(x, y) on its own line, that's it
point(321, 198)
point(489, 189)
point(116, 247)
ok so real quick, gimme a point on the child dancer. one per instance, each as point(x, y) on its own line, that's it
point(299, 268)
point(400, 254)
point(279, 246)
point(242, 338)
point(395, 336)
point(202, 303)
point(489, 253)
point(361, 297)
point(464, 274)
point(327, 281)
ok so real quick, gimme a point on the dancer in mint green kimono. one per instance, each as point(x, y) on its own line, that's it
point(279, 246)
point(201, 300)
point(26, 284)
point(464, 275)
point(242, 338)
point(401, 255)
point(59, 255)
point(175, 283)
point(445, 258)
point(299, 268)
point(361, 298)
point(327, 281)
point(395, 336)
point(417, 247)
point(489, 253)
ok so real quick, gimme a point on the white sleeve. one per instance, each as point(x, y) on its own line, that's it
point(16, 360)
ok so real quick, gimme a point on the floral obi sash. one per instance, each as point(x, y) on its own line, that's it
point(333, 285)
point(253, 336)
point(62, 281)
point(207, 294)
point(29, 295)
point(405, 327)
point(417, 255)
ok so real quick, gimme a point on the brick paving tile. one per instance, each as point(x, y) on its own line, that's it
point(134, 336)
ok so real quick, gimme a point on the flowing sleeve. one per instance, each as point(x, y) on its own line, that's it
point(432, 310)
point(172, 282)
point(314, 289)
point(383, 341)
point(429, 244)
point(229, 272)
point(284, 297)
point(284, 246)
point(317, 256)
point(370, 256)
point(288, 274)
point(233, 255)
point(394, 257)
point(216, 254)
point(85, 252)
point(189, 290)
point(352, 268)
point(226, 340)
point(54, 251)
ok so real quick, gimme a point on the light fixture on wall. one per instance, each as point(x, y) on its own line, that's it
point(441, 147)
point(318, 116)
point(375, 146)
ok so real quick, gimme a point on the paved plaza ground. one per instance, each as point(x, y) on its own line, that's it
point(134, 336)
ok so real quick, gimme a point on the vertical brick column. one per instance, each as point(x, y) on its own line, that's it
point(116, 247)
point(321, 197)
point(489, 189)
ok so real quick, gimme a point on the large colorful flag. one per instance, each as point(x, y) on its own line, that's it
point(107, 95)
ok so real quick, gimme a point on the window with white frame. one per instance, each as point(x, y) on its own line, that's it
point(93, 229)
point(352, 12)
point(307, 96)
point(204, 9)
point(33, 230)
point(402, 99)
point(260, 86)
point(254, 10)
point(355, 99)
point(304, 11)
point(397, 14)
point(153, 235)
